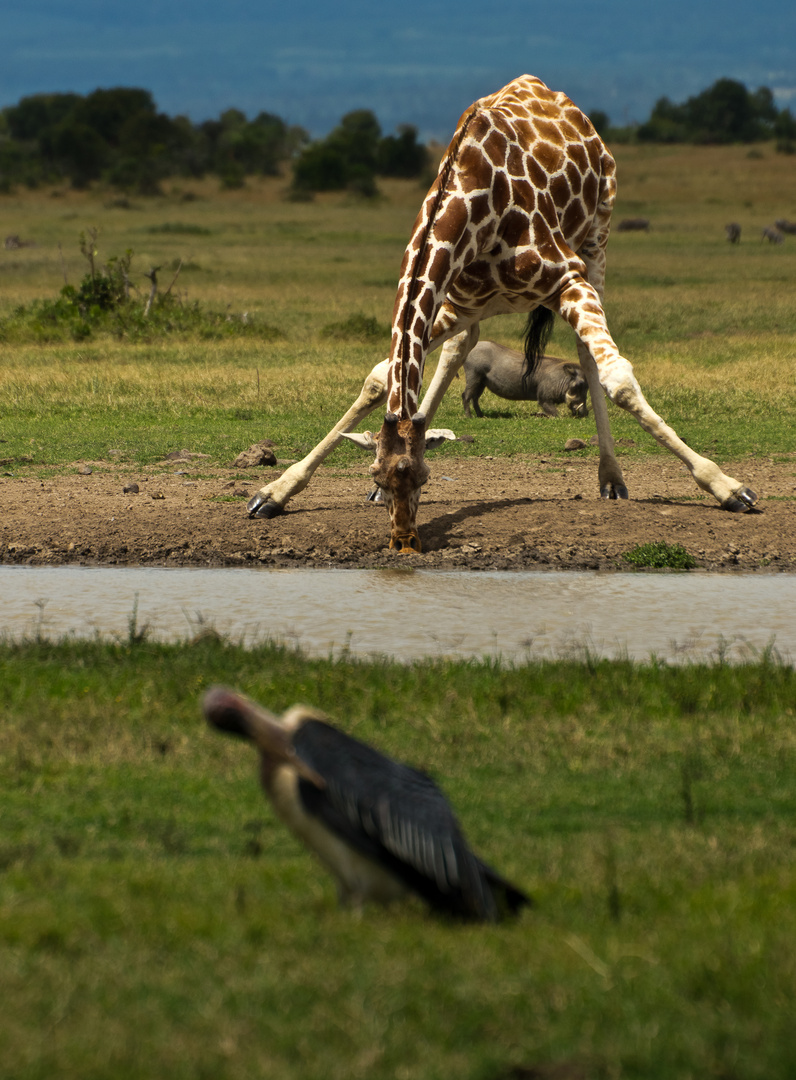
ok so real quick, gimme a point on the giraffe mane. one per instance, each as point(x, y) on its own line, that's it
point(411, 293)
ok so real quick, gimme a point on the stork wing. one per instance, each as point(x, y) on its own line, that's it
point(399, 818)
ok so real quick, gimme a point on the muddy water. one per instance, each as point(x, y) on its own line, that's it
point(408, 615)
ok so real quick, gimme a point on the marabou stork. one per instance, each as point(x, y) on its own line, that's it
point(383, 828)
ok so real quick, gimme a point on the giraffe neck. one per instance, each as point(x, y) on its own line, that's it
point(412, 324)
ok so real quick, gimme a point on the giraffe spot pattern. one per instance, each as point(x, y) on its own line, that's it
point(527, 183)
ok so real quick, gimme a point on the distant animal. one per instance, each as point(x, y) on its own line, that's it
point(786, 226)
point(772, 234)
point(552, 382)
point(733, 232)
point(634, 224)
point(382, 828)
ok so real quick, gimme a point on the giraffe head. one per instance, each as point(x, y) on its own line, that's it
point(400, 471)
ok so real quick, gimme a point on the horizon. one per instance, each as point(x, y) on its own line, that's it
point(310, 65)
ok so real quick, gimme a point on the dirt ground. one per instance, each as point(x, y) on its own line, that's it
point(476, 513)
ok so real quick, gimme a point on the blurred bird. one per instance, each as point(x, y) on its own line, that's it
point(383, 828)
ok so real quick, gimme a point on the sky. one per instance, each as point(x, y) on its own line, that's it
point(419, 62)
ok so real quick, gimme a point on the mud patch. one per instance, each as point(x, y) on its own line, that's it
point(477, 513)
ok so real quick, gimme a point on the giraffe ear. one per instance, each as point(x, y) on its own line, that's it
point(437, 436)
point(366, 440)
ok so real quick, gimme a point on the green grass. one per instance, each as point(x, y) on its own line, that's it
point(709, 327)
point(155, 918)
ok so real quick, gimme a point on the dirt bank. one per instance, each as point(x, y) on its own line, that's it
point(475, 514)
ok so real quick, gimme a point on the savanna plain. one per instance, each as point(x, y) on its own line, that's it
point(154, 916)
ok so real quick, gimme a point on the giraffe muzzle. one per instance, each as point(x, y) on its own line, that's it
point(406, 544)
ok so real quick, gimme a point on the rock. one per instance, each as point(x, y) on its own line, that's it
point(258, 454)
point(130, 489)
point(574, 444)
point(85, 470)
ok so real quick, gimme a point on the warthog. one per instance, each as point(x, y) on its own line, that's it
point(552, 382)
point(772, 234)
point(733, 232)
point(634, 224)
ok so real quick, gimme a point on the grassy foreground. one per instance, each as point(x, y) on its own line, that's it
point(155, 919)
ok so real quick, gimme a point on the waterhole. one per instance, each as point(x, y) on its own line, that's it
point(408, 615)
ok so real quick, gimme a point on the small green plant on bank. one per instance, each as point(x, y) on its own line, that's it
point(107, 302)
point(660, 556)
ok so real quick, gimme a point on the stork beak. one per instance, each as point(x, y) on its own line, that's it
point(229, 711)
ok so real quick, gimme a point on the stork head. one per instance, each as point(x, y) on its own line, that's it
point(226, 710)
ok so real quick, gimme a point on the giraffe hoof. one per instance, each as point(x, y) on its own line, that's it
point(260, 506)
point(744, 499)
point(613, 491)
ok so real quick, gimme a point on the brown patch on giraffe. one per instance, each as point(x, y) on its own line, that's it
point(514, 228)
point(591, 187)
point(521, 271)
point(560, 190)
point(495, 146)
point(471, 166)
point(581, 123)
point(480, 208)
point(440, 266)
point(548, 157)
point(572, 222)
point(538, 177)
point(577, 157)
point(501, 193)
point(425, 302)
point(550, 132)
point(515, 162)
point(451, 221)
point(574, 178)
point(523, 195)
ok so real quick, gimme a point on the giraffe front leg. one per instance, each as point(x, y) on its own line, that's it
point(580, 306)
point(609, 471)
point(273, 498)
point(454, 352)
point(624, 390)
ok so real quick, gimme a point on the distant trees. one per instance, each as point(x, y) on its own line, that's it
point(724, 113)
point(118, 136)
point(354, 153)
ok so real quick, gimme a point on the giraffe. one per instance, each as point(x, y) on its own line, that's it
point(517, 220)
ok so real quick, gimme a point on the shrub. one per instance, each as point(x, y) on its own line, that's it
point(102, 303)
point(660, 556)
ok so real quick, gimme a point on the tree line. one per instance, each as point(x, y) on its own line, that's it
point(724, 113)
point(118, 137)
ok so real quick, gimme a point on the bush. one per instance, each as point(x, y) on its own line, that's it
point(102, 303)
point(660, 556)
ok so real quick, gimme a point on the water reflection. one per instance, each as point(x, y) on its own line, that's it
point(412, 614)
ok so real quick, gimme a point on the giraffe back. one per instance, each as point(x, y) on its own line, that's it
point(524, 186)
